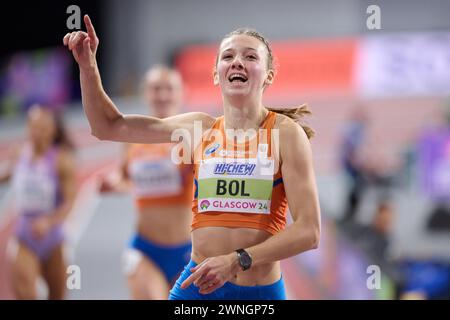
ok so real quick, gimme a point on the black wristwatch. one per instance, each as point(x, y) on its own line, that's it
point(244, 258)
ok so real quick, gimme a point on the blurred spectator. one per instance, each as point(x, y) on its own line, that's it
point(374, 239)
point(435, 166)
point(364, 163)
point(353, 139)
point(439, 220)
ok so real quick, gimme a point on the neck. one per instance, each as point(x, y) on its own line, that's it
point(39, 150)
point(244, 114)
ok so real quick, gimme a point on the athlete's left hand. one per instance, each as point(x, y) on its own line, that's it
point(212, 273)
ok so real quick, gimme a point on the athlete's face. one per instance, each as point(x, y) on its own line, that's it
point(242, 66)
point(163, 92)
point(41, 127)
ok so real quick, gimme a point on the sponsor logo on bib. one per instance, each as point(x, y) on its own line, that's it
point(204, 204)
point(212, 149)
point(238, 169)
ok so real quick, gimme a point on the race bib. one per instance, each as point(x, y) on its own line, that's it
point(235, 185)
point(35, 191)
point(155, 178)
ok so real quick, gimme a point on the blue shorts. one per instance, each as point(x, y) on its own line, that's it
point(170, 259)
point(228, 291)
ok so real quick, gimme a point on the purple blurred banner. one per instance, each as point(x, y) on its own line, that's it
point(435, 163)
point(41, 76)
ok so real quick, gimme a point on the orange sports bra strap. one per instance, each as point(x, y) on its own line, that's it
point(270, 120)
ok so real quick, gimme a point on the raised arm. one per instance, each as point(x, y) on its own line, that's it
point(105, 119)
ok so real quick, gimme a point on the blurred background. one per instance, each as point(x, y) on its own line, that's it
point(381, 111)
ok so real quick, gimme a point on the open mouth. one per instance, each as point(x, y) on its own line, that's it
point(237, 77)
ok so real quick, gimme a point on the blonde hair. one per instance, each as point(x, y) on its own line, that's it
point(297, 114)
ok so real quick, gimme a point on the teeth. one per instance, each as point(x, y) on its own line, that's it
point(236, 76)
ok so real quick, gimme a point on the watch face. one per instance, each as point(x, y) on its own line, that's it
point(245, 260)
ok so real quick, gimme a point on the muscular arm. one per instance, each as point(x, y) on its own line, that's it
point(301, 191)
point(105, 119)
point(108, 123)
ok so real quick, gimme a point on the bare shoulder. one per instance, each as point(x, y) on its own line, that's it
point(282, 120)
point(294, 142)
point(290, 131)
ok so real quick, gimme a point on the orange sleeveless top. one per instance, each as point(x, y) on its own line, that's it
point(239, 184)
point(156, 180)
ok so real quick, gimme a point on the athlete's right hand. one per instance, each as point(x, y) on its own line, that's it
point(83, 45)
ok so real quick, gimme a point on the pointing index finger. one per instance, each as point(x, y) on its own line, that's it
point(186, 283)
point(89, 27)
point(66, 39)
